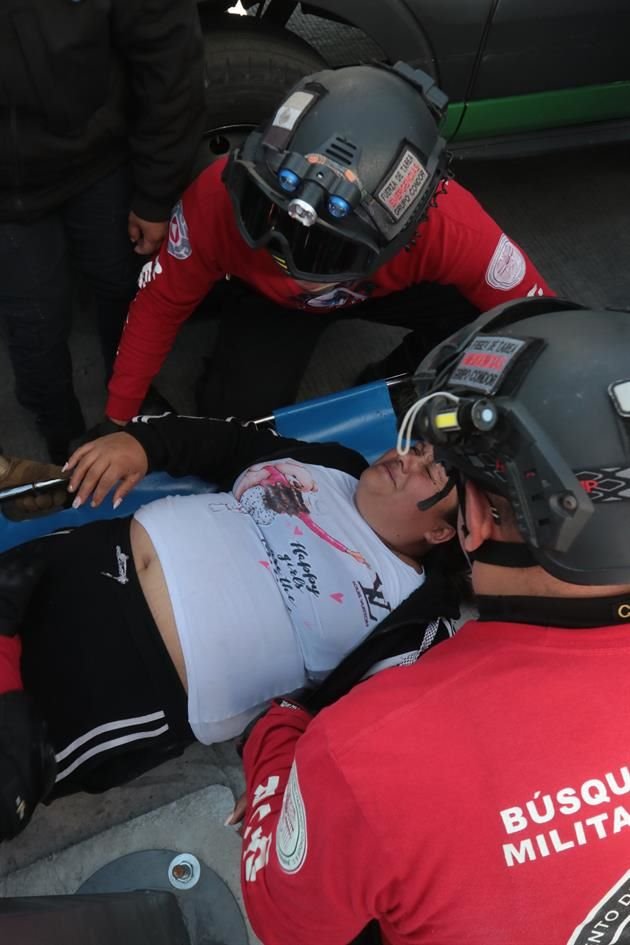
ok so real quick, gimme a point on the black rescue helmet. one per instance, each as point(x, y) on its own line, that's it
point(339, 179)
point(532, 402)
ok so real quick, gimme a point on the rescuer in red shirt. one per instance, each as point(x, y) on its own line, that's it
point(481, 794)
point(341, 205)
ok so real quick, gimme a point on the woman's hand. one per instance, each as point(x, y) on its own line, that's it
point(97, 466)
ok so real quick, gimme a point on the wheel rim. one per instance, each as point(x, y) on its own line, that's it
point(219, 141)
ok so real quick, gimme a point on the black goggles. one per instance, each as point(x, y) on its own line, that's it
point(315, 253)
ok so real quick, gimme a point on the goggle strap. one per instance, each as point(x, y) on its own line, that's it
point(425, 504)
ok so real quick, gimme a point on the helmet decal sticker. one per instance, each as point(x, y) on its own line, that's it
point(403, 185)
point(281, 129)
point(620, 396)
point(178, 239)
point(289, 112)
point(507, 266)
point(485, 362)
point(291, 835)
point(610, 484)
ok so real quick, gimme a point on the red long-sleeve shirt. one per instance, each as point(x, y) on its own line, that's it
point(458, 244)
point(480, 796)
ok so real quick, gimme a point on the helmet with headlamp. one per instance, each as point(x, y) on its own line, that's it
point(340, 178)
point(532, 402)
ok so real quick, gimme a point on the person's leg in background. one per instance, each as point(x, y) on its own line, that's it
point(35, 305)
point(432, 312)
point(27, 762)
point(262, 351)
point(96, 227)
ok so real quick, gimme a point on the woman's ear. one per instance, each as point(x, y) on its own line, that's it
point(441, 533)
point(480, 524)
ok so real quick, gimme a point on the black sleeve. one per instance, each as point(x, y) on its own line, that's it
point(162, 47)
point(219, 450)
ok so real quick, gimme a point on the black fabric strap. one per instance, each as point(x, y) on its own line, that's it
point(569, 612)
point(504, 554)
point(425, 504)
point(398, 633)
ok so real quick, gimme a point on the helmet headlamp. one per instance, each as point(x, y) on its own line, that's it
point(302, 211)
point(288, 180)
point(338, 207)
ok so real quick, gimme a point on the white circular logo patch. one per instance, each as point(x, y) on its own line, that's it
point(291, 838)
point(507, 266)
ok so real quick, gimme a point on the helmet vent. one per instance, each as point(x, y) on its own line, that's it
point(340, 150)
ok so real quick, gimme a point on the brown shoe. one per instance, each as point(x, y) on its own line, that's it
point(18, 472)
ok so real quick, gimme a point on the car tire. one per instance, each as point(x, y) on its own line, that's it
point(249, 67)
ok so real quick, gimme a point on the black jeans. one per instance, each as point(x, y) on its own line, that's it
point(262, 350)
point(89, 234)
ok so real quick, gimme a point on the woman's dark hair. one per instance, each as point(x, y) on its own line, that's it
point(452, 562)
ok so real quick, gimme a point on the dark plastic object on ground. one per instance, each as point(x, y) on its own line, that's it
point(141, 918)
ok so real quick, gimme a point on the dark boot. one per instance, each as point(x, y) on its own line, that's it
point(27, 763)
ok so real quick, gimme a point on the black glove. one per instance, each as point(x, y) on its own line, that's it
point(27, 763)
point(21, 570)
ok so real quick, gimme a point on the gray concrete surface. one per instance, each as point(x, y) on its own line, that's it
point(191, 824)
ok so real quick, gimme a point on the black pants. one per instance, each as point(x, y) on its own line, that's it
point(262, 350)
point(88, 232)
point(95, 665)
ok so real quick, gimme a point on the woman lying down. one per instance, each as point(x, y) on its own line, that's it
point(142, 633)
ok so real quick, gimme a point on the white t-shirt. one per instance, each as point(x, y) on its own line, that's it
point(271, 585)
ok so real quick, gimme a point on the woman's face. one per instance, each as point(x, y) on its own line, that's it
point(388, 493)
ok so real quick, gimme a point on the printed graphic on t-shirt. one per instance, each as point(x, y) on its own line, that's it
point(339, 296)
point(286, 557)
point(608, 922)
point(374, 604)
point(267, 490)
point(336, 577)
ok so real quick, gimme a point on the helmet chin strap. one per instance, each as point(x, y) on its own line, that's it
point(425, 504)
point(504, 554)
